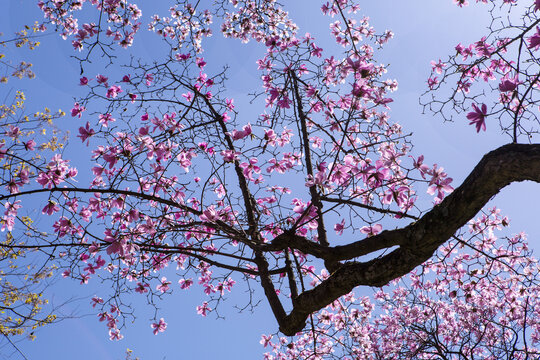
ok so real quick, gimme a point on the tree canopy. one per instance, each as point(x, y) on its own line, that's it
point(168, 182)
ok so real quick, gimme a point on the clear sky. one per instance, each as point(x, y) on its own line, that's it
point(424, 30)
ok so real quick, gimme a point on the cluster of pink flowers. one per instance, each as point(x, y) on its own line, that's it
point(265, 22)
point(186, 184)
point(185, 28)
point(487, 61)
point(121, 16)
point(478, 302)
point(57, 172)
point(8, 220)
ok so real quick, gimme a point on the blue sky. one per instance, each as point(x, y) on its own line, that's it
point(424, 30)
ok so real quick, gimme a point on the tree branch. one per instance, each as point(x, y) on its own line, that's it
point(419, 240)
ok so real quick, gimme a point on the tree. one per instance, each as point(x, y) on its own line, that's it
point(22, 282)
point(179, 177)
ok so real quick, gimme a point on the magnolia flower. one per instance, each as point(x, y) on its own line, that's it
point(478, 117)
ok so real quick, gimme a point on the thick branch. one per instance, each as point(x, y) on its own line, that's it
point(384, 240)
point(419, 240)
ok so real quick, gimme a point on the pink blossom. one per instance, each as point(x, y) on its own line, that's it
point(185, 283)
point(203, 309)
point(113, 91)
point(159, 326)
point(432, 82)
point(379, 173)
point(188, 96)
point(440, 187)
point(316, 51)
point(24, 176)
point(181, 57)
point(8, 220)
point(209, 214)
point(534, 41)
point(266, 340)
point(96, 300)
point(117, 244)
point(85, 133)
point(114, 334)
point(208, 289)
point(339, 227)
point(30, 145)
point(99, 261)
point(438, 67)
point(142, 288)
point(251, 168)
point(508, 84)
point(104, 119)
point(200, 62)
point(228, 284)
point(50, 208)
point(361, 89)
point(84, 279)
point(149, 79)
point(284, 102)
point(56, 172)
point(274, 94)
point(77, 110)
point(102, 79)
point(164, 285)
point(371, 230)
point(478, 117)
point(240, 134)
